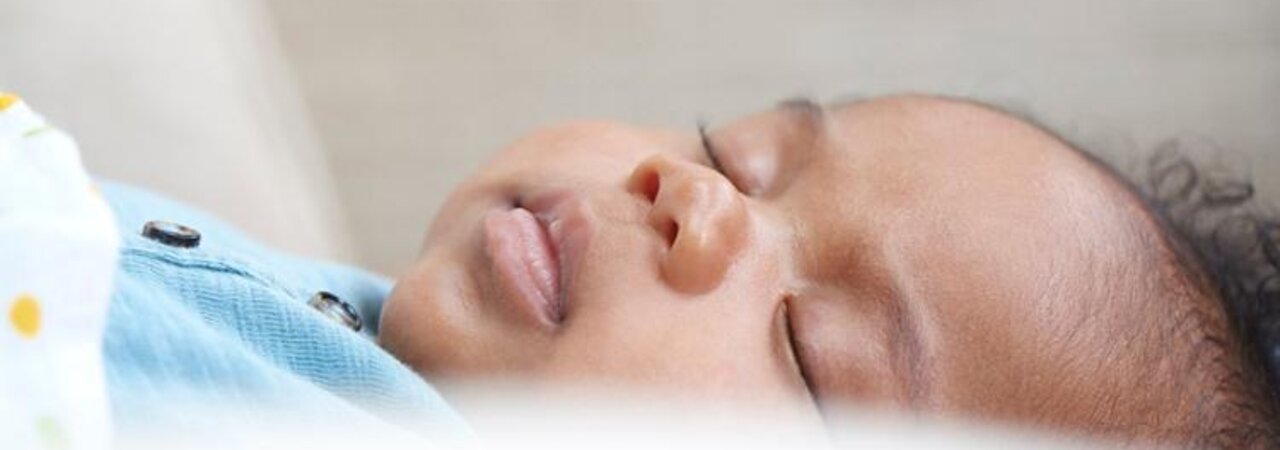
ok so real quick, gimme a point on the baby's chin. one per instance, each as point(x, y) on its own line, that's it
point(401, 328)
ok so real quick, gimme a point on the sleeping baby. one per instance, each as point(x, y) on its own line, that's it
point(905, 253)
point(912, 254)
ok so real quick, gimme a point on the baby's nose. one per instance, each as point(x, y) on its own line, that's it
point(700, 214)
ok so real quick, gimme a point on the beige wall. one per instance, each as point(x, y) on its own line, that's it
point(216, 102)
point(410, 95)
point(191, 98)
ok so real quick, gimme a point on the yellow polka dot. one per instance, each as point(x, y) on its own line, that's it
point(24, 314)
point(7, 100)
point(52, 435)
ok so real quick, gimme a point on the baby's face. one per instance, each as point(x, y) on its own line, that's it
point(906, 252)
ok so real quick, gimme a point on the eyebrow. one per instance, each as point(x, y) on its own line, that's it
point(913, 359)
point(813, 115)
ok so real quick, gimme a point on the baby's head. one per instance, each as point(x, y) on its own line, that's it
point(912, 253)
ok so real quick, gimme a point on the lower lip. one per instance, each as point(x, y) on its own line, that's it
point(526, 261)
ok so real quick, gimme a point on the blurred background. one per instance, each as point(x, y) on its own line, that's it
point(335, 128)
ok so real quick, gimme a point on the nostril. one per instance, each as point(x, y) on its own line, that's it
point(669, 229)
point(646, 183)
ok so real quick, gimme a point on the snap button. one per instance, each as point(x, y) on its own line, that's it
point(336, 309)
point(171, 234)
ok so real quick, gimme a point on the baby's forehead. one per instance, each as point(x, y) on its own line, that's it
point(915, 116)
point(971, 129)
point(989, 179)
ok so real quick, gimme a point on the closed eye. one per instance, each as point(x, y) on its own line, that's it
point(709, 150)
point(795, 353)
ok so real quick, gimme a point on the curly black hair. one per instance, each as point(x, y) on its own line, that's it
point(1223, 233)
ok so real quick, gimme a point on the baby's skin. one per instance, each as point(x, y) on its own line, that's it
point(909, 253)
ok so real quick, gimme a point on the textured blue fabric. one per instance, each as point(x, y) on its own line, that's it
point(197, 336)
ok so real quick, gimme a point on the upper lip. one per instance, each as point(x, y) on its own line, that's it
point(557, 297)
point(563, 217)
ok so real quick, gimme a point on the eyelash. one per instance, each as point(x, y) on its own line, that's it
point(707, 149)
point(794, 346)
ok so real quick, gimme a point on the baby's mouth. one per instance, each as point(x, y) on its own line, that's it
point(526, 261)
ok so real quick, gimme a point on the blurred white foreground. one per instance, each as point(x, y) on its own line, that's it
point(507, 417)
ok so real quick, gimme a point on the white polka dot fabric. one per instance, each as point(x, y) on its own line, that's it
point(58, 251)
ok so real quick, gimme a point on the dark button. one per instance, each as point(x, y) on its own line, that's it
point(171, 234)
point(336, 309)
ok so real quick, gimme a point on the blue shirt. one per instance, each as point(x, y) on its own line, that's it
point(198, 337)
